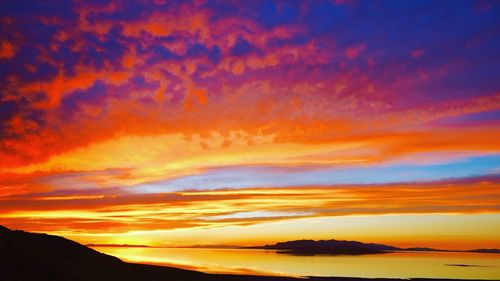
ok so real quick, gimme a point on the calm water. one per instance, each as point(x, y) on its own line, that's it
point(398, 265)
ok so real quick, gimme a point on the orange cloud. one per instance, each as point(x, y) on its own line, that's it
point(164, 24)
point(85, 77)
point(7, 50)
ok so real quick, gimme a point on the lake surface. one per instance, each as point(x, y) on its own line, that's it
point(256, 261)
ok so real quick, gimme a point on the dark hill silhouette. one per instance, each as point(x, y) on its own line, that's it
point(331, 247)
point(488, 251)
point(28, 256)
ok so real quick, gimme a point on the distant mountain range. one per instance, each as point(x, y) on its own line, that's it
point(28, 256)
point(343, 247)
point(118, 246)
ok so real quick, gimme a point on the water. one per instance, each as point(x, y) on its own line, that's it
point(250, 261)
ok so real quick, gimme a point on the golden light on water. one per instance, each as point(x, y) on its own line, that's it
point(265, 262)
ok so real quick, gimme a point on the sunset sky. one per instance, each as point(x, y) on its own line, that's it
point(250, 122)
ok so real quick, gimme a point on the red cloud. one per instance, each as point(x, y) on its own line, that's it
point(7, 50)
point(417, 53)
point(354, 51)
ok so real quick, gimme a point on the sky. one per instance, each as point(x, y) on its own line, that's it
point(250, 122)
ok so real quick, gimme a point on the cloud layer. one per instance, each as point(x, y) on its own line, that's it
point(106, 106)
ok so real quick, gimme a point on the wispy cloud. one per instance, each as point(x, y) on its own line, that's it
point(115, 212)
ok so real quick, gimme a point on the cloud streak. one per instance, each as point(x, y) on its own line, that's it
point(114, 212)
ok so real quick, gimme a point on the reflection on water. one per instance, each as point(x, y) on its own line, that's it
point(252, 261)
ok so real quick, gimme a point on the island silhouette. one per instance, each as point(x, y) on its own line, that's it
point(345, 247)
point(41, 257)
point(333, 247)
